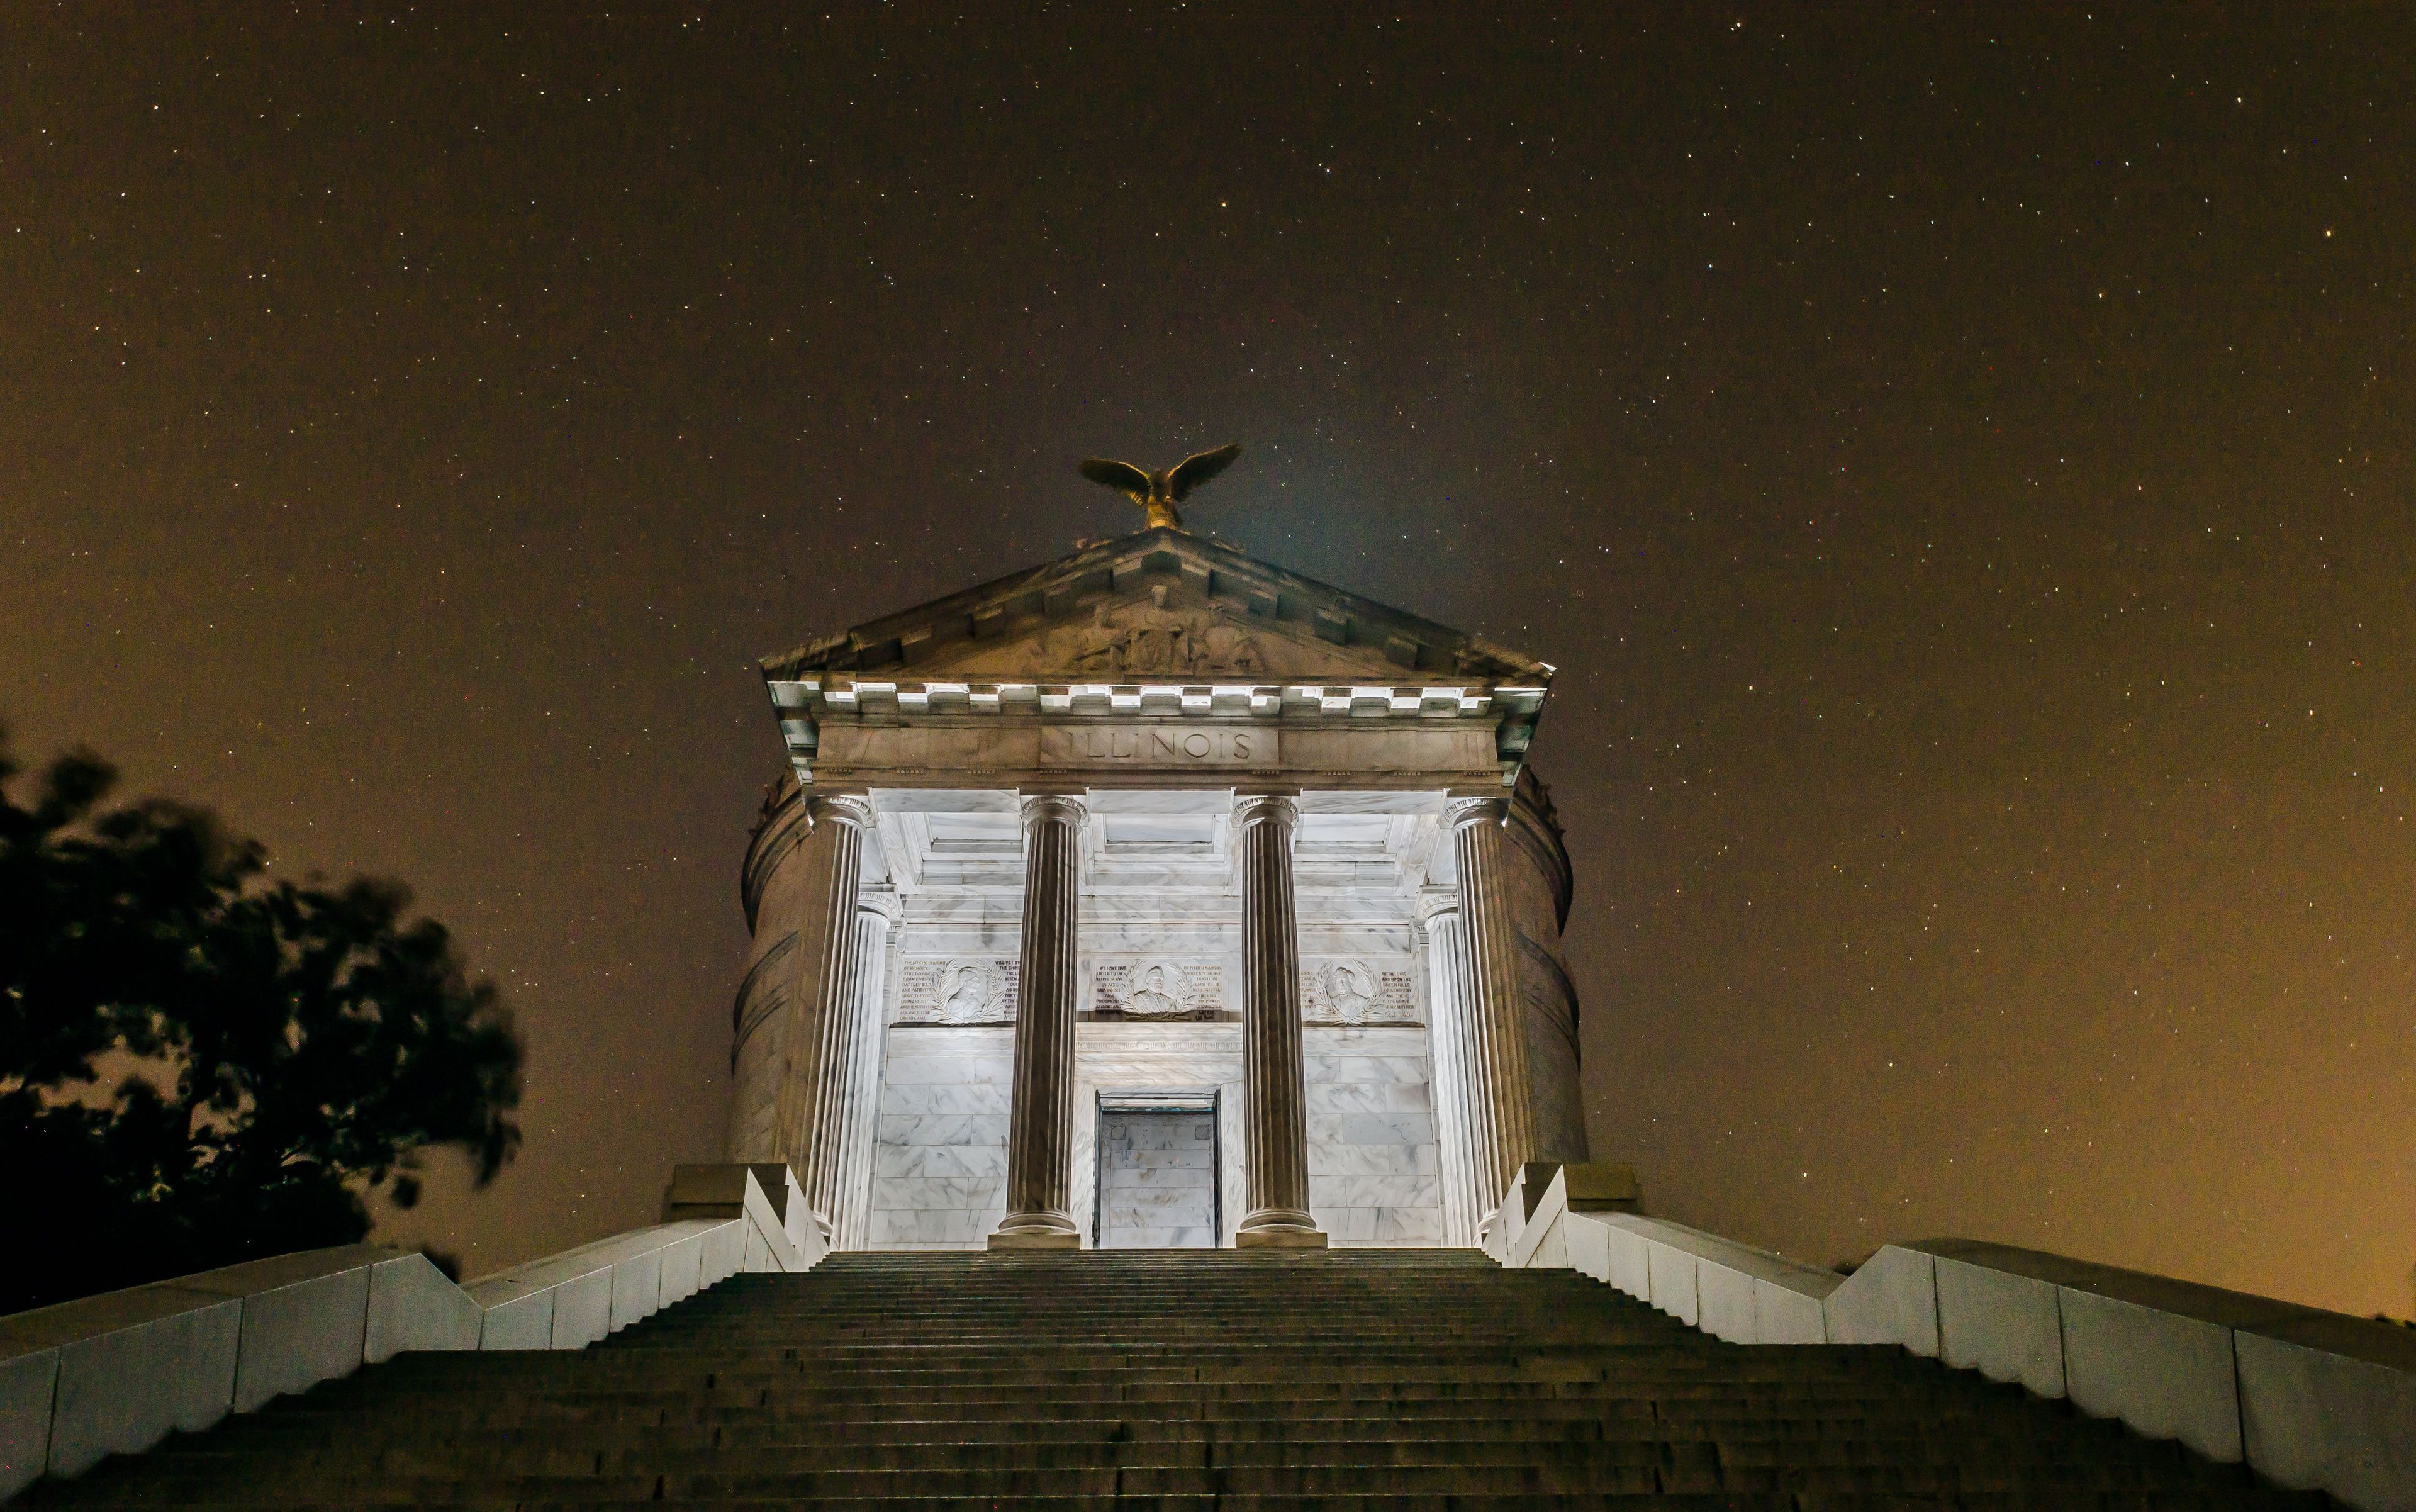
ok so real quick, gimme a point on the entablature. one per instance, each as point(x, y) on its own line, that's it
point(1149, 726)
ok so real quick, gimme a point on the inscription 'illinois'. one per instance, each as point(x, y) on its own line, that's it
point(1169, 746)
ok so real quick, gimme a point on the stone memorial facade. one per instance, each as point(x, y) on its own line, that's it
point(1155, 896)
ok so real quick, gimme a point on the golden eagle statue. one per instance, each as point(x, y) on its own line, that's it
point(1158, 492)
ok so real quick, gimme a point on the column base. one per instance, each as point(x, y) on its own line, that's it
point(1037, 1231)
point(1279, 1229)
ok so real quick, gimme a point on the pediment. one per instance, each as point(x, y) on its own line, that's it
point(1160, 604)
point(1159, 634)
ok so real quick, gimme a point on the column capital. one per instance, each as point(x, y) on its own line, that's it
point(1459, 813)
point(1437, 902)
point(882, 900)
point(843, 808)
point(1266, 808)
point(1059, 808)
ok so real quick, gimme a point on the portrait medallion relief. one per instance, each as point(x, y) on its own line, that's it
point(1157, 987)
point(1350, 991)
point(1347, 988)
point(969, 991)
point(957, 989)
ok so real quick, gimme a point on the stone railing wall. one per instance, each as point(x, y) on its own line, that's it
point(116, 1373)
point(2309, 1399)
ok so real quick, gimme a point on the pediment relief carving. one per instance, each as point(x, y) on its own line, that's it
point(1160, 636)
point(1301, 628)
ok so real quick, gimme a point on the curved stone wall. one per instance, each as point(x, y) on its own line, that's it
point(772, 886)
point(1545, 987)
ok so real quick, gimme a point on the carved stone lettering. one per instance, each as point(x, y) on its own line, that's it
point(1157, 746)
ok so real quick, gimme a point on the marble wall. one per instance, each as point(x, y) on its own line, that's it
point(1372, 1168)
point(939, 1158)
point(939, 1176)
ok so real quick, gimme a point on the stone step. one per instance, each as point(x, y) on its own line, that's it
point(1171, 1380)
point(2122, 1501)
point(938, 1442)
point(1298, 1399)
point(1561, 1474)
point(1636, 1419)
point(1707, 1404)
point(2028, 1462)
point(855, 1375)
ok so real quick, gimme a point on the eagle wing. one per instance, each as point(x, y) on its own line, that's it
point(1195, 470)
point(1122, 477)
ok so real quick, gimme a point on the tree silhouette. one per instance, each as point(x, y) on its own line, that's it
point(199, 1066)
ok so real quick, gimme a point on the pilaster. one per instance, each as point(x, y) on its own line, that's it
point(1447, 1039)
point(877, 915)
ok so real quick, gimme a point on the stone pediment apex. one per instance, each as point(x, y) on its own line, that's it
point(1160, 603)
point(1158, 631)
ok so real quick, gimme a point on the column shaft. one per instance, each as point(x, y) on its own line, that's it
point(1040, 1129)
point(824, 1017)
point(1274, 1117)
point(1493, 1055)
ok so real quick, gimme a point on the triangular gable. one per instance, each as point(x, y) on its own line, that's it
point(1158, 603)
point(1162, 631)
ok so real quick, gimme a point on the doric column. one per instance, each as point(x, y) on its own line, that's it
point(1040, 1129)
point(876, 925)
point(823, 1018)
point(1275, 1115)
point(1447, 1045)
point(1493, 1052)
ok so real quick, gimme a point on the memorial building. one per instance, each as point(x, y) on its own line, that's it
point(1156, 896)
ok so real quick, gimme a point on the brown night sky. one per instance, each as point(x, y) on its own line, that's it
point(1960, 462)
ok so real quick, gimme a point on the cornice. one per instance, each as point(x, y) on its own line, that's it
point(808, 702)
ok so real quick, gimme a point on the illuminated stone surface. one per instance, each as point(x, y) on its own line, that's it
point(1143, 684)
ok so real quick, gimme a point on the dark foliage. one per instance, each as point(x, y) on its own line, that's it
point(199, 1066)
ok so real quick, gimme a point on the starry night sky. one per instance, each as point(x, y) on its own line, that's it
point(1960, 462)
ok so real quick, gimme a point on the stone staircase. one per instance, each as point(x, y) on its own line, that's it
point(1166, 1379)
